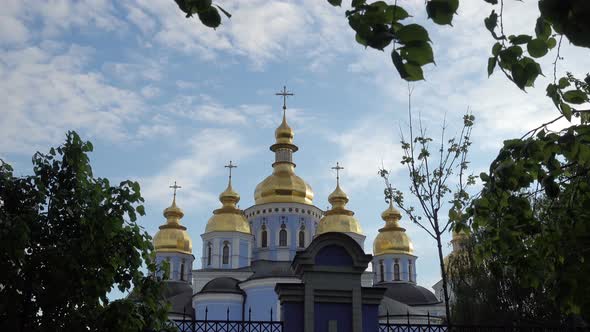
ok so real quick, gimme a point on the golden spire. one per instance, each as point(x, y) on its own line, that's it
point(172, 236)
point(283, 185)
point(392, 239)
point(338, 218)
point(228, 218)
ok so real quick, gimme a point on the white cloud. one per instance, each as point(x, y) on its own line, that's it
point(205, 153)
point(150, 91)
point(365, 148)
point(45, 92)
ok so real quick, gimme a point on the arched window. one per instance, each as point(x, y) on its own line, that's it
point(283, 236)
point(302, 238)
point(381, 271)
point(209, 253)
point(182, 270)
point(410, 270)
point(225, 257)
point(264, 237)
point(396, 275)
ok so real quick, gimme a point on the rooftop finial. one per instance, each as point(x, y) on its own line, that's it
point(230, 166)
point(285, 94)
point(174, 187)
point(338, 168)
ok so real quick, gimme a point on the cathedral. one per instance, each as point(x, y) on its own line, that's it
point(285, 258)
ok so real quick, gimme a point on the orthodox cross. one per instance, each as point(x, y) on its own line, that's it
point(338, 168)
point(285, 94)
point(174, 187)
point(230, 166)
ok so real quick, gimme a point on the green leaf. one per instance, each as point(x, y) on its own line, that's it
point(520, 39)
point(563, 83)
point(337, 3)
point(141, 210)
point(519, 75)
point(496, 49)
point(398, 62)
point(491, 65)
point(419, 53)
point(411, 33)
point(491, 22)
point(210, 17)
point(414, 72)
point(542, 29)
point(397, 13)
point(575, 97)
point(442, 11)
point(537, 48)
point(551, 43)
point(566, 110)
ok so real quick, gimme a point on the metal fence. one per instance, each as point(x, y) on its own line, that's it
point(226, 326)
point(428, 323)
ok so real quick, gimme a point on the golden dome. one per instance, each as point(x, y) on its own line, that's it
point(283, 185)
point(392, 239)
point(228, 218)
point(338, 218)
point(172, 236)
point(284, 134)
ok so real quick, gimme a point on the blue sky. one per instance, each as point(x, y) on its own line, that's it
point(163, 98)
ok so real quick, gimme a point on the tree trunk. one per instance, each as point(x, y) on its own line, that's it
point(443, 273)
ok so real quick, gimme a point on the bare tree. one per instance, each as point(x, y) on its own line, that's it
point(430, 180)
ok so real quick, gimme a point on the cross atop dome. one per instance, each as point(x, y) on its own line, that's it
point(174, 187)
point(230, 166)
point(337, 168)
point(284, 94)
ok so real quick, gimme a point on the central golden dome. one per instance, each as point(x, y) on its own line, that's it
point(338, 218)
point(283, 185)
point(228, 218)
point(172, 236)
point(392, 239)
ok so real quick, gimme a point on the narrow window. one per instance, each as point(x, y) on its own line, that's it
point(182, 270)
point(209, 253)
point(381, 270)
point(168, 268)
point(410, 270)
point(396, 275)
point(301, 238)
point(283, 236)
point(264, 237)
point(225, 259)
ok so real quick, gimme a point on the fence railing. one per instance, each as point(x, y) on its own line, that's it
point(226, 326)
point(429, 323)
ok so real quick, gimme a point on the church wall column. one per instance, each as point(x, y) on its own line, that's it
point(308, 308)
point(357, 310)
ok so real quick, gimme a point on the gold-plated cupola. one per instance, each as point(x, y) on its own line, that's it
point(228, 218)
point(392, 239)
point(283, 185)
point(172, 236)
point(338, 218)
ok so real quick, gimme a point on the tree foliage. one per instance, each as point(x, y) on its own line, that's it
point(430, 172)
point(67, 238)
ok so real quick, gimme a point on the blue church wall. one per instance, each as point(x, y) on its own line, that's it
point(292, 313)
point(175, 262)
point(341, 313)
point(388, 265)
point(243, 258)
point(273, 216)
point(333, 255)
point(217, 310)
point(370, 317)
point(261, 300)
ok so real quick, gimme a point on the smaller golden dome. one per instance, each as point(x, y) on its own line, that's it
point(172, 236)
point(228, 218)
point(338, 218)
point(284, 134)
point(392, 239)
